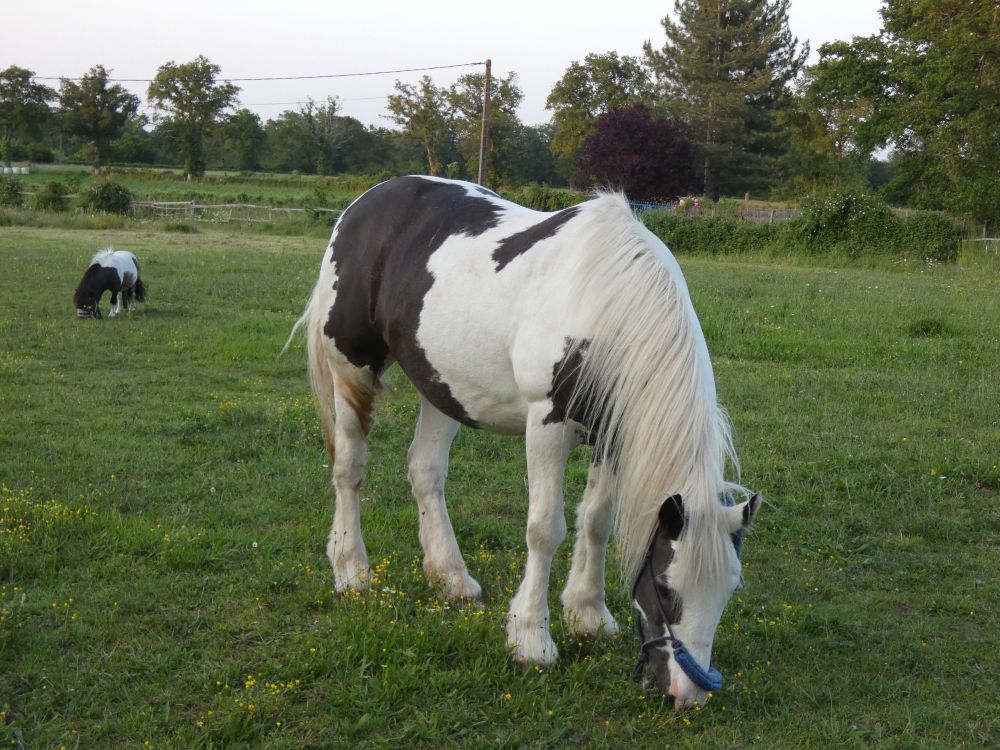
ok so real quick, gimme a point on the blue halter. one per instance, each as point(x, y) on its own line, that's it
point(709, 680)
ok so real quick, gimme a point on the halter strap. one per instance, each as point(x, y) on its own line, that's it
point(709, 680)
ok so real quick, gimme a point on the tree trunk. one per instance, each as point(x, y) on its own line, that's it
point(433, 167)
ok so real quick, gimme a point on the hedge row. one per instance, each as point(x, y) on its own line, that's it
point(103, 197)
point(846, 224)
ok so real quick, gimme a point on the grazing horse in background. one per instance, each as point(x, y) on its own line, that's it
point(114, 270)
point(566, 327)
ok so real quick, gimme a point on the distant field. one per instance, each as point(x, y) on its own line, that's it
point(164, 511)
point(215, 187)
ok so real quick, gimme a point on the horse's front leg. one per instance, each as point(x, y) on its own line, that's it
point(115, 307)
point(584, 609)
point(548, 447)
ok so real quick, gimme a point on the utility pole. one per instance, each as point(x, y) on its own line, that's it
point(484, 135)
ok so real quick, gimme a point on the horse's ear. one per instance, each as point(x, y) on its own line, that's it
point(672, 516)
point(740, 516)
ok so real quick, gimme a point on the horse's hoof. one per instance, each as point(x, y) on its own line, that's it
point(459, 587)
point(590, 622)
point(531, 645)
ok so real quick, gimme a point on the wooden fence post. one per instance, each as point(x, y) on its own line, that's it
point(485, 132)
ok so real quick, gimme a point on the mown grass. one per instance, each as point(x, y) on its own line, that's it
point(164, 511)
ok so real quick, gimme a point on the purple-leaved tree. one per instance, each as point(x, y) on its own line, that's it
point(642, 154)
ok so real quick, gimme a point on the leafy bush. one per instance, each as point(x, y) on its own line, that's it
point(930, 235)
point(848, 220)
point(544, 198)
point(10, 191)
point(52, 197)
point(107, 197)
point(860, 224)
point(710, 235)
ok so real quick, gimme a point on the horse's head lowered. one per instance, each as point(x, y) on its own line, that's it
point(678, 609)
point(87, 300)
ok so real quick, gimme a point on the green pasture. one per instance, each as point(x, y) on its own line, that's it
point(164, 510)
point(215, 187)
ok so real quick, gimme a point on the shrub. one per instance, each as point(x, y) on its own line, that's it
point(106, 197)
point(711, 234)
point(10, 191)
point(930, 235)
point(52, 197)
point(544, 198)
point(848, 220)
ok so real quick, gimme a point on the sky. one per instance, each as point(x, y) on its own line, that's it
point(285, 38)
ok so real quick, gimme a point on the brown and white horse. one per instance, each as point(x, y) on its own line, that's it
point(111, 270)
point(566, 327)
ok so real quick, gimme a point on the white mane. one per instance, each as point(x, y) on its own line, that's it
point(647, 374)
point(102, 256)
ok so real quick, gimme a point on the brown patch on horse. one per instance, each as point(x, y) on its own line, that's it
point(360, 396)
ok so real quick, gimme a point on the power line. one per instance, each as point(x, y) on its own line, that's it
point(287, 78)
point(339, 100)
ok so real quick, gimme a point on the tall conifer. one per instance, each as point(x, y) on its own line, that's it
point(723, 71)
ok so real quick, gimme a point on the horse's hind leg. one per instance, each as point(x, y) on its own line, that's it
point(428, 470)
point(584, 609)
point(353, 397)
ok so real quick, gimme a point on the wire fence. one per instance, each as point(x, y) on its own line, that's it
point(224, 213)
point(753, 214)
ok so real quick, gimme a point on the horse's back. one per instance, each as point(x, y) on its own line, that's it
point(124, 262)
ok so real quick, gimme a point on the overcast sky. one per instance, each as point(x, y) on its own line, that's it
point(268, 38)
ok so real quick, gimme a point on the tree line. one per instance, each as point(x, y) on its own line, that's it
point(722, 104)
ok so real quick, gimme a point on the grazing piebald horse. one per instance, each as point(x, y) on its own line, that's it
point(111, 270)
point(566, 327)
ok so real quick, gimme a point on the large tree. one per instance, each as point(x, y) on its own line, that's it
point(465, 98)
point(587, 90)
point(97, 110)
point(530, 156)
point(945, 107)
point(191, 103)
point(424, 113)
point(646, 156)
point(837, 116)
point(244, 138)
point(317, 140)
point(23, 107)
point(724, 70)
point(928, 87)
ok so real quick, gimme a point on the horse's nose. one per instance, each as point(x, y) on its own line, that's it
point(686, 696)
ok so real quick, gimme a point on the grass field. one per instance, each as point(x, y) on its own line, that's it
point(215, 187)
point(164, 512)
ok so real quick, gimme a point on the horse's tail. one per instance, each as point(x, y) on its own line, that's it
point(139, 290)
point(320, 373)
